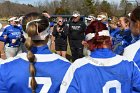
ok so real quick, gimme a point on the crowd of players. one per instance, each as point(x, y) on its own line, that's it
point(105, 52)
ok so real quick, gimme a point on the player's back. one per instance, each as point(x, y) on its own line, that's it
point(132, 52)
point(15, 75)
point(96, 75)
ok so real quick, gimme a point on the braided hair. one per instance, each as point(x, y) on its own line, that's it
point(32, 28)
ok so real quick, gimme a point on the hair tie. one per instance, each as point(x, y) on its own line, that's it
point(36, 20)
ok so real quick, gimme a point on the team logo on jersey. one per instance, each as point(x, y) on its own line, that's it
point(95, 61)
point(76, 27)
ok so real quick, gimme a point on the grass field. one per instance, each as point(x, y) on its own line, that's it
point(2, 50)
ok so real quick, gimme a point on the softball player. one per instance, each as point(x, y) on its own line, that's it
point(12, 35)
point(124, 36)
point(38, 70)
point(102, 71)
point(133, 51)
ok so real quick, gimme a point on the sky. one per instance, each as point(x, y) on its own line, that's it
point(33, 1)
point(26, 1)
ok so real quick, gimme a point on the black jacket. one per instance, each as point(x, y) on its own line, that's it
point(60, 37)
point(77, 30)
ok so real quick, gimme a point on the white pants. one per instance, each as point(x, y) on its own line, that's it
point(11, 51)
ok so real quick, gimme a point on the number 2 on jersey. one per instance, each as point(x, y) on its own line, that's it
point(45, 81)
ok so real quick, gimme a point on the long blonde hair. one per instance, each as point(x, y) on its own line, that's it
point(32, 28)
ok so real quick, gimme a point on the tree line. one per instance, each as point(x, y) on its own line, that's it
point(66, 7)
point(89, 6)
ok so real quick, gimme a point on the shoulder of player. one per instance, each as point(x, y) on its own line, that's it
point(58, 57)
point(134, 45)
point(131, 50)
point(100, 62)
point(43, 57)
point(79, 63)
point(40, 58)
point(6, 26)
point(11, 59)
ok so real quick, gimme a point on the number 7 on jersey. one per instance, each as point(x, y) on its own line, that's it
point(43, 80)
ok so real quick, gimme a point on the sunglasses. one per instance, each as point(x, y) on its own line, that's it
point(60, 21)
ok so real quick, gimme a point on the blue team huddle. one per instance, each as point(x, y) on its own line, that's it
point(105, 54)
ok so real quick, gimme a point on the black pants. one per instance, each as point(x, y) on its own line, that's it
point(76, 49)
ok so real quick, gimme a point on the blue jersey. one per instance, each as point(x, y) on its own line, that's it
point(12, 33)
point(132, 52)
point(102, 72)
point(2, 32)
point(22, 39)
point(50, 69)
point(20, 26)
point(127, 38)
point(124, 39)
point(113, 32)
point(135, 38)
point(116, 38)
point(2, 39)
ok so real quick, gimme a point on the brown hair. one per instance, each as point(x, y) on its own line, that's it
point(135, 15)
point(135, 18)
point(127, 21)
point(98, 41)
point(92, 28)
point(114, 20)
point(59, 17)
point(31, 30)
point(104, 13)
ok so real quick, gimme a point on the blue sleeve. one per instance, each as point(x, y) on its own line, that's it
point(2, 82)
point(136, 78)
point(4, 32)
point(73, 87)
point(2, 39)
point(12, 37)
point(2, 36)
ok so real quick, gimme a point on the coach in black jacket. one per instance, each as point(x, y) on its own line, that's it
point(76, 35)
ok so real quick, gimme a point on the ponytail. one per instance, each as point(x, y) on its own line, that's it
point(31, 58)
point(34, 24)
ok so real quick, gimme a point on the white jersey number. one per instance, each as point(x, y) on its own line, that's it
point(112, 84)
point(43, 80)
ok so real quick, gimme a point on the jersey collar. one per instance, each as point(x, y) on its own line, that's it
point(102, 53)
point(41, 50)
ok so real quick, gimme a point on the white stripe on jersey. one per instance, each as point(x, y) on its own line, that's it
point(9, 59)
point(39, 57)
point(69, 74)
point(104, 62)
point(83, 61)
point(131, 50)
